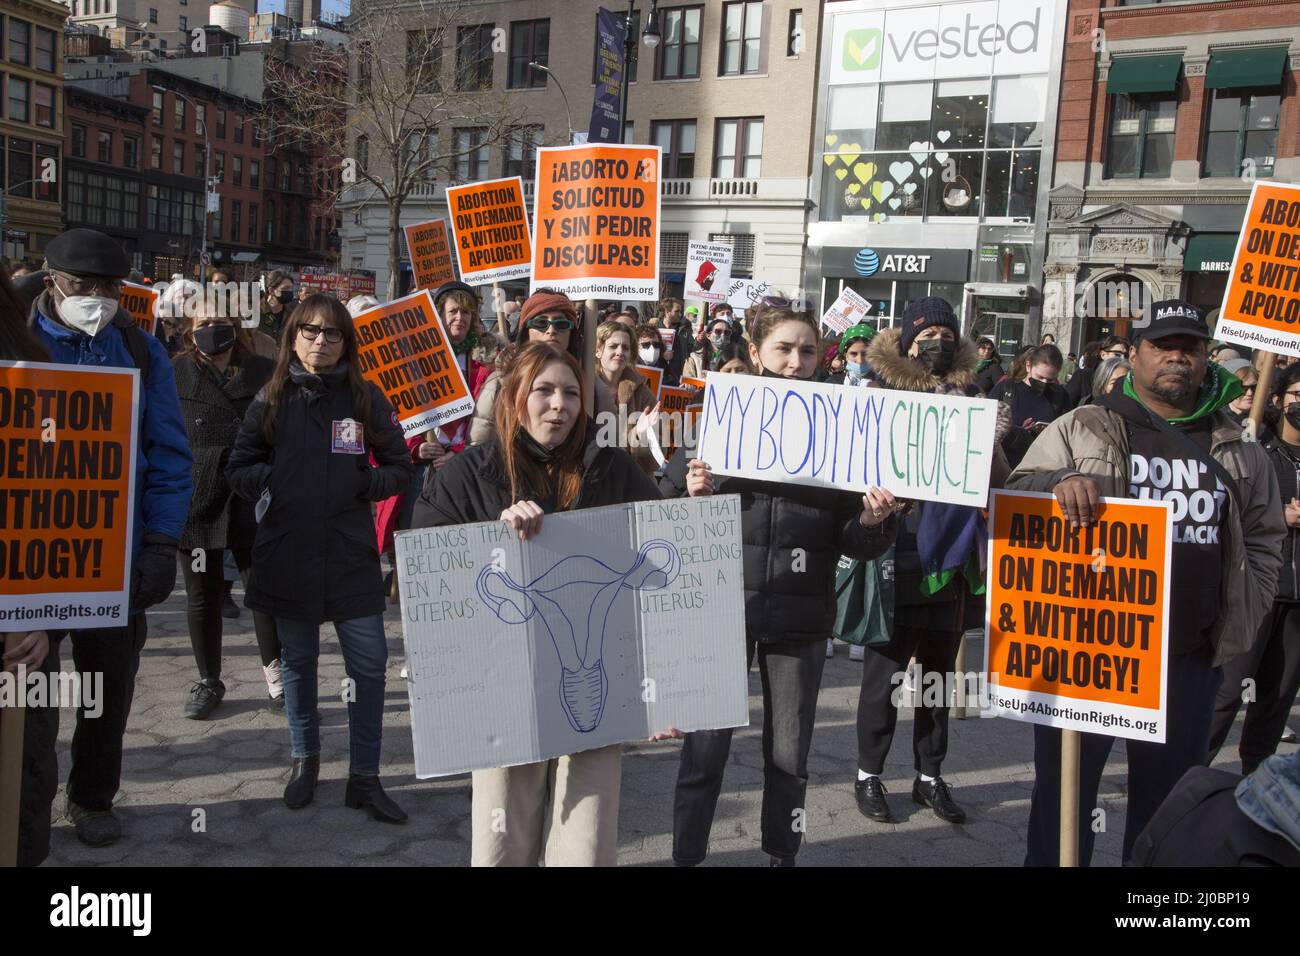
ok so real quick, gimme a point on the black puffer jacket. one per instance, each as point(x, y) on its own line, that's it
point(316, 557)
point(214, 407)
point(787, 599)
point(1287, 466)
point(475, 487)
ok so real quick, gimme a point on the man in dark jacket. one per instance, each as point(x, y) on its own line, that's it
point(1267, 676)
point(80, 321)
point(1224, 563)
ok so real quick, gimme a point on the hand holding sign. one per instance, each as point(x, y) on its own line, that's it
point(28, 651)
point(1079, 499)
point(699, 479)
point(525, 517)
point(877, 505)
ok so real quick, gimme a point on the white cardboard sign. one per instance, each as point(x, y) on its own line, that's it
point(917, 445)
point(610, 625)
point(846, 311)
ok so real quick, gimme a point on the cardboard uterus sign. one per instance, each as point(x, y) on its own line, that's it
point(610, 625)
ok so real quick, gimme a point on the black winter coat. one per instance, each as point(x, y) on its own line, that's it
point(316, 557)
point(214, 407)
point(475, 487)
point(785, 601)
point(1287, 468)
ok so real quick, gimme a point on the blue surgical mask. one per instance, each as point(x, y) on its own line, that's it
point(856, 369)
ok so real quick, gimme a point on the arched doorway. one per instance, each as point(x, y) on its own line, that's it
point(1111, 303)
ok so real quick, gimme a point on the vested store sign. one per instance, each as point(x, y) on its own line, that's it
point(989, 38)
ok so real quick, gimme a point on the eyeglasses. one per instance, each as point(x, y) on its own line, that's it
point(545, 324)
point(112, 288)
point(332, 336)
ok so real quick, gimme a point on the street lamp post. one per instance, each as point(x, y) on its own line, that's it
point(650, 36)
point(207, 179)
point(568, 114)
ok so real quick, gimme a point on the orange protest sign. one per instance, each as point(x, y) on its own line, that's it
point(68, 439)
point(141, 301)
point(1077, 618)
point(691, 382)
point(403, 348)
point(596, 221)
point(654, 378)
point(489, 228)
point(675, 402)
point(1261, 304)
point(430, 253)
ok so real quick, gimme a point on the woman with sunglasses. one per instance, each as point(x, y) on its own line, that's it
point(546, 316)
point(303, 455)
point(719, 330)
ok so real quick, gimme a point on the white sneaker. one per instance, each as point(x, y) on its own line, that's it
point(274, 679)
point(857, 652)
point(830, 647)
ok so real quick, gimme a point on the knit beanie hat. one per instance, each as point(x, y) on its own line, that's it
point(921, 314)
point(540, 302)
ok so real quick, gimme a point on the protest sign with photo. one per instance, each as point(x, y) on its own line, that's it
point(846, 311)
point(708, 271)
point(1261, 304)
point(430, 252)
point(489, 228)
point(403, 348)
point(68, 439)
point(1077, 618)
point(596, 222)
point(610, 625)
point(141, 302)
point(917, 445)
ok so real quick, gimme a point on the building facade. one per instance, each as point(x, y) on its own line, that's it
point(1169, 113)
point(103, 182)
point(31, 126)
point(727, 94)
point(168, 21)
point(934, 125)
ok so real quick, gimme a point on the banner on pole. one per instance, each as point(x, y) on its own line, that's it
point(430, 252)
point(916, 445)
point(68, 437)
point(610, 625)
point(708, 271)
point(606, 105)
point(1077, 618)
point(596, 222)
point(489, 228)
point(1261, 304)
point(403, 348)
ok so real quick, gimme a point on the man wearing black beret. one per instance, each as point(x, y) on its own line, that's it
point(79, 319)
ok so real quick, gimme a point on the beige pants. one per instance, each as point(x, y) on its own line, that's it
point(563, 812)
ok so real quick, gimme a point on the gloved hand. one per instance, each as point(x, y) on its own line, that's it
point(154, 573)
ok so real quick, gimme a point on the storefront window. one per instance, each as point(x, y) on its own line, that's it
point(905, 110)
point(851, 117)
point(960, 114)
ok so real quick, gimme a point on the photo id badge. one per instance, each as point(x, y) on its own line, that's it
point(349, 438)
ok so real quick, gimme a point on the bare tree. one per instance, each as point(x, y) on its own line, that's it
point(388, 104)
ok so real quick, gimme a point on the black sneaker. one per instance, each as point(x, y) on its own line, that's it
point(229, 609)
point(872, 804)
point(94, 827)
point(205, 695)
point(938, 797)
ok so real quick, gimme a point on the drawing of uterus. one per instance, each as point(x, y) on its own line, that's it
point(574, 597)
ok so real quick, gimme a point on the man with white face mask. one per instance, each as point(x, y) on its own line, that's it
point(79, 319)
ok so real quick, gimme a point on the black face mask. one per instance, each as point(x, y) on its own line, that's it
point(768, 373)
point(284, 297)
point(215, 339)
point(937, 355)
point(1037, 384)
point(1293, 415)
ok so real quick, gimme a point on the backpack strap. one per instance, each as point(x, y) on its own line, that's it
point(138, 346)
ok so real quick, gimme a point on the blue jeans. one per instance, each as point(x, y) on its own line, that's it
point(365, 656)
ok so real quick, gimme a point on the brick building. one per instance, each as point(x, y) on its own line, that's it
point(103, 181)
point(1168, 113)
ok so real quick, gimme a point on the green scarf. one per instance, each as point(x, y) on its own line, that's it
point(936, 581)
point(468, 344)
point(1219, 388)
point(984, 363)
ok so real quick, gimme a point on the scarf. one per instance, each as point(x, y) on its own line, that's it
point(1218, 389)
point(468, 344)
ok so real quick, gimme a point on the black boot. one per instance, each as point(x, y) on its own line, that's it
point(302, 782)
point(366, 792)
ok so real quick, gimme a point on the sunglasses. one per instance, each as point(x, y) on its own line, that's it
point(543, 325)
point(781, 302)
point(332, 336)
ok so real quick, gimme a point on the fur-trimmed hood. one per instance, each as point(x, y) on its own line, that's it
point(900, 372)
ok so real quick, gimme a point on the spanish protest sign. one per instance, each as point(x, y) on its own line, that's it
point(431, 260)
point(403, 348)
point(917, 445)
point(848, 310)
point(68, 439)
point(141, 301)
point(1261, 304)
point(654, 378)
point(1077, 618)
point(609, 625)
point(489, 228)
point(596, 221)
point(708, 271)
